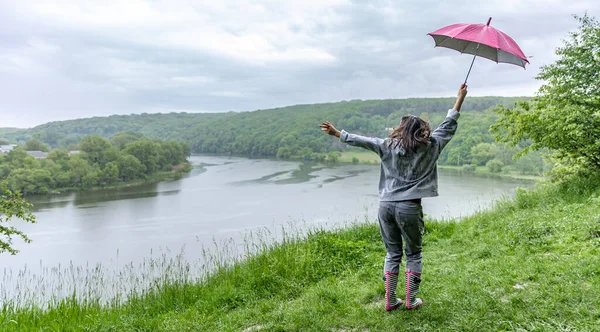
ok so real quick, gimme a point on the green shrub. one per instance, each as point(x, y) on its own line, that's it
point(495, 165)
point(469, 168)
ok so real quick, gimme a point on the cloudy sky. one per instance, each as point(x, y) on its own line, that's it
point(80, 58)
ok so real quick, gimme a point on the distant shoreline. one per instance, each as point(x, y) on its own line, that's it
point(175, 174)
point(368, 158)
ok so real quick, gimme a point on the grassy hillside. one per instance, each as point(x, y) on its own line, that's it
point(529, 264)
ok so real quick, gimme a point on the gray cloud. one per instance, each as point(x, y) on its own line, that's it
point(74, 59)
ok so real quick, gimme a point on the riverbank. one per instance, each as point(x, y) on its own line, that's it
point(361, 157)
point(176, 173)
point(526, 264)
point(485, 172)
point(370, 158)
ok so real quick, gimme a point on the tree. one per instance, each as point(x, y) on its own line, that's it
point(146, 152)
point(333, 157)
point(12, 205)
point(483, 152)
point(49, 137)
point(565, 114)
point(4, 170)
point(110, 173)
point(187, 151)
point(16, 158)
point(20, 181)
point(91, 178)
point(120, 140)
point(60, 157)
point(130, 167)
point(31, 181)
point(170, 153)
point(99, 163)
point(79, 168)
point(495, 165)
point(94, 147)
point(35, 145)
point(112, 154)
point(284, 152)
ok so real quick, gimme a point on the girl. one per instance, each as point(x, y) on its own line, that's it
point(408, 173)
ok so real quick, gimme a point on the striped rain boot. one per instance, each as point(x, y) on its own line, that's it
point(413, 280)
point(391, 301)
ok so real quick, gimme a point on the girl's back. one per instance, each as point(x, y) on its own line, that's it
point(408, 171)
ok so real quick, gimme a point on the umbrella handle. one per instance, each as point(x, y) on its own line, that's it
point(477, 49)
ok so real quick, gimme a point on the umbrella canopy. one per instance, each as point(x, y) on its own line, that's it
point(480, 40)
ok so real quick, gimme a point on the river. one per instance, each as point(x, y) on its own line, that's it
point(222, 198)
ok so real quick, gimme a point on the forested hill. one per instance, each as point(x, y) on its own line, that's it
point(292, 132)
point(61, 134)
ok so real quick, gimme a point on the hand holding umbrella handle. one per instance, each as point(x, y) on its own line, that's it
point(462, 93)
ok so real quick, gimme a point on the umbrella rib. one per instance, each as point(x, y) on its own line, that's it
point(465, 48)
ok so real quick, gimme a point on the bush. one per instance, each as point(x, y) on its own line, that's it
point(469, 168)
point(495, 165)
point(333, 157)
point(355, 160)
point(320, 156)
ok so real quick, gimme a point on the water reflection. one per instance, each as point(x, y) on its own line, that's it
point(262, 179)
point(304, 173)
point(349, 174)
point(41, 205)
point(89, 199)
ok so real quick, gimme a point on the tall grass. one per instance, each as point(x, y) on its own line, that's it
point(98, 284)
point(32, 296)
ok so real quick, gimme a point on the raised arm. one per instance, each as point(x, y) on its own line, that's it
point(446, 130)
point(462, 93)
point(369, 143)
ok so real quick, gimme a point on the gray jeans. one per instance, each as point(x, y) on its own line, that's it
point(398, 221)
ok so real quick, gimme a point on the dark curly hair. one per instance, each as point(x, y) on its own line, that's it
point(412, 133)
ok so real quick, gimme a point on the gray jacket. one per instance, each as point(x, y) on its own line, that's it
point(406, 176)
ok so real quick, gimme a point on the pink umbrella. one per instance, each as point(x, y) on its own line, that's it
point(480, 40)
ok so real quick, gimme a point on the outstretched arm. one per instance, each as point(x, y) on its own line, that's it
point(447, 128)
point(329, 129)
point(369, 143)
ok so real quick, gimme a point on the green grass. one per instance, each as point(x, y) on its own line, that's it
point(485, 171)
point(528, 264)
point(363, 157)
